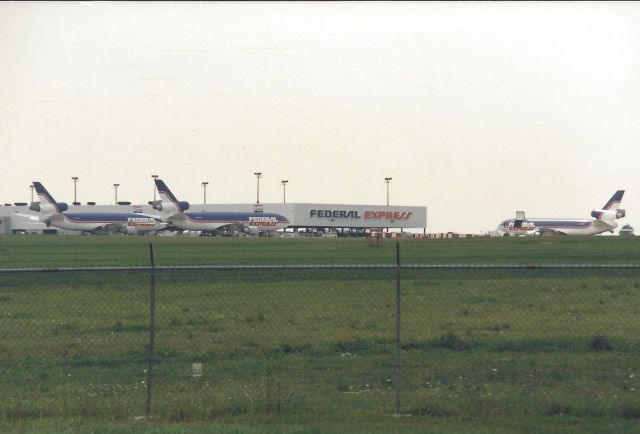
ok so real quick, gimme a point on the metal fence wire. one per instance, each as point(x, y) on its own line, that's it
point(445, 340)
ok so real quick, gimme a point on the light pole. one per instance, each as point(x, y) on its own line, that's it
point(115, 186)
point(31, 187)
point(204, 188)
point(154, 186)
point(258, 176)
point(284, 190)
point(75, 182)
point(387, 181)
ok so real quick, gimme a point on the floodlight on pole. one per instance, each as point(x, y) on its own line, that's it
point(387, 181)
point(284, 190)
point(154, 186)
point(115, 186)
point(31, 187)
point(204, 188)
point(258, 176)
point(75, 182)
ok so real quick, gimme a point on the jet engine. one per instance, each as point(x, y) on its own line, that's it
point(251, 230)
point(47, 208)
point(608, 214)
point(170, 207)
point(131, 230)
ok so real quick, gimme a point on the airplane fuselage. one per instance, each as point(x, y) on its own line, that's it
point(210, 221)
point(604, 220)
point(174, 213)
point(541, 226)
point(112, 222)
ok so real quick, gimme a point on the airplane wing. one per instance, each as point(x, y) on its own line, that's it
point(174, 221)
point(545, 231)
point(549, 231)
point(229, 229)
point(53, 218)
point(243, 228)
point(28, 216)
point(177, 217)
point(117, 228)
point(108, 228)
point(603, 226)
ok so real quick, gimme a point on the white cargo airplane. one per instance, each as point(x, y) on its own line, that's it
point(253, 223)
point(53, 213)
point(603, 220)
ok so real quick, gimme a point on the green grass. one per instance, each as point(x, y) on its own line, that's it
point(24, 251)
point(312, 351)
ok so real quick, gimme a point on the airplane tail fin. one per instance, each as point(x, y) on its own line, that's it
point(614, 202)
point(43, 194)
point(47, 203)
point(169, 203)
point(611, 210)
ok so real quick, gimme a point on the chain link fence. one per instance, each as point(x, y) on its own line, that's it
point(197, 343)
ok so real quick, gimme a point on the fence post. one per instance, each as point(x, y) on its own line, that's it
point(398, 361)
point(152, 334)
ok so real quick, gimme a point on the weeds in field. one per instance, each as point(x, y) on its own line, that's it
point(492, 346)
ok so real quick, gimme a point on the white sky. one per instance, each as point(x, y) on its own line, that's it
point(475, 109)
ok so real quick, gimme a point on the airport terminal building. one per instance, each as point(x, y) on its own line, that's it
point(304, 218)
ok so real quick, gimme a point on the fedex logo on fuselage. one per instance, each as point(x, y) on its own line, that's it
point(263, 221)
point(354, 214)
point(140, 221)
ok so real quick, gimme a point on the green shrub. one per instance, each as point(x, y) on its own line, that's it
point(599, 343)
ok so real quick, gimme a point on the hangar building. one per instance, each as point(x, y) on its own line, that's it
point(341, 219)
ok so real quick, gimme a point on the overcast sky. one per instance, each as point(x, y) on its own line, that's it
point(475, 109)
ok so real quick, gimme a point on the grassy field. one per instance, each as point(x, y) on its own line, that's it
point(312, 351)
point(70, 251)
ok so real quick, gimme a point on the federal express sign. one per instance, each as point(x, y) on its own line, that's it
point(360, 214)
